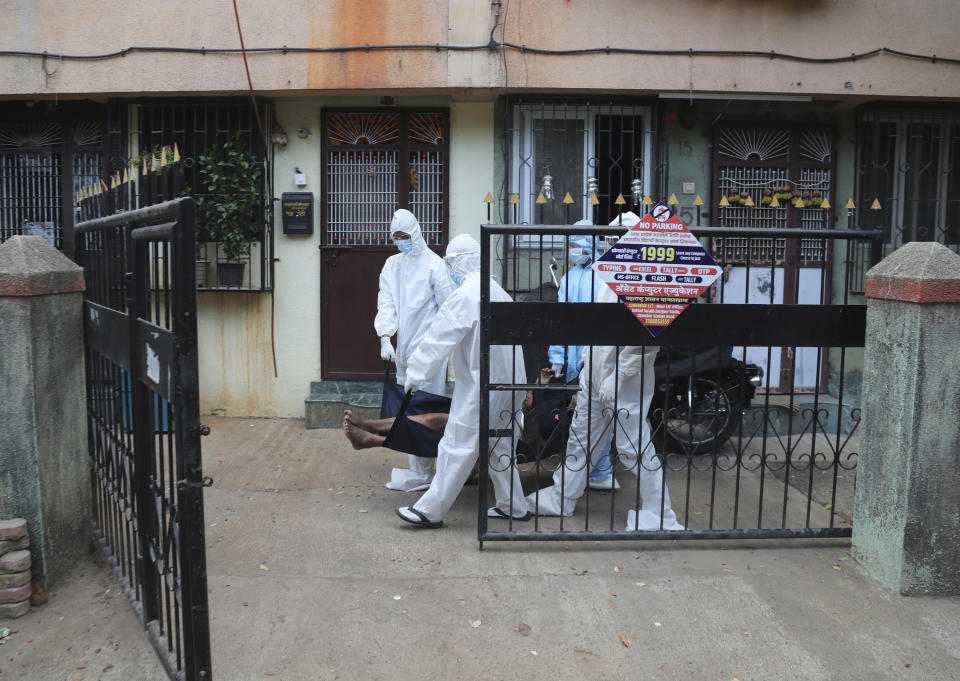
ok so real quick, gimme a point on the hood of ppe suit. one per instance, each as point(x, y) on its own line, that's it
point(629, 219)
point(463, 255)
point(406, 222)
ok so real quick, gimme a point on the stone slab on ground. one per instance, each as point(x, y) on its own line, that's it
point(14, 545)
point(15, 561)
point(13, 611)
point(15, 594)
point(13, 529)
point(14, 579)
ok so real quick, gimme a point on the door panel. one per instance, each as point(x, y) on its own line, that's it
point(374, 161)
point(350, 278)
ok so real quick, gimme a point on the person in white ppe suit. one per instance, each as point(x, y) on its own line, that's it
point(614, 389)
point(580, 285)
point(456, 330)
point(413, 285)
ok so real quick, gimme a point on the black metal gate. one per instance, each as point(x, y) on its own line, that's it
point(140, 321)
point(779, 468)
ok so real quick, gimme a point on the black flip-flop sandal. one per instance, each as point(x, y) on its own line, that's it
point(423, 521)
point(495, 512)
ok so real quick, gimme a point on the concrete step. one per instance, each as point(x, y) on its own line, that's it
point(327, 400)
point(324, 406)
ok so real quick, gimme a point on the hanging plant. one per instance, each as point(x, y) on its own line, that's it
point(228, 199)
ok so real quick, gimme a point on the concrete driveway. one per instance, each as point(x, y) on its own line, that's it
point(312, 576)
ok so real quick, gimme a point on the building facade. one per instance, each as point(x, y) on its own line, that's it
point(433, 105)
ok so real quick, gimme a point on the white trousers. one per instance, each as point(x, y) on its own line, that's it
point(457, 455)
point(589, 431)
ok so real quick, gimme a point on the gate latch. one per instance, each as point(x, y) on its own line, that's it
point(207, 481)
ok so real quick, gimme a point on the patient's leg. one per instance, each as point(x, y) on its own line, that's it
point(359, 438)
point(376, 426)
point(434, 421)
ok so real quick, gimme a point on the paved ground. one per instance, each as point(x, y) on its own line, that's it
point(312, 576)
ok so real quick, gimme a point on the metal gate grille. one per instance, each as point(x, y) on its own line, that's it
point(144, 430)
point(782, 468)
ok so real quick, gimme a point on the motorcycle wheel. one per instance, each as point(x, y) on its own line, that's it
point(701, 428)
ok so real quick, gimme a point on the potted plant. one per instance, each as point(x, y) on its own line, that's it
point(229, 209)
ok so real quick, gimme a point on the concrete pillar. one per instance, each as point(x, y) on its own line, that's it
point(906, 516)
point(44, 476)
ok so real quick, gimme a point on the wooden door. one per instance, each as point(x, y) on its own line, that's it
point(374, 161)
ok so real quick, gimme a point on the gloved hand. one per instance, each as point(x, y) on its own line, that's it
point(608, 393)
point(557, 370)
point(409, 385)
point(387, 353)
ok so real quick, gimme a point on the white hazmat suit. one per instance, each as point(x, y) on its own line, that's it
point(456, 329)
point(609, 382)
point(413, 286)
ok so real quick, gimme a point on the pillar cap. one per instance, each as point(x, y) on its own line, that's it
point(31, 266)
point(918, 272)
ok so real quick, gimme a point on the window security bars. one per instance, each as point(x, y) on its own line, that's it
point(199, 130)
point(41, 161)
point(556, 147)
point(907, 163)
point(144, 429)
point(690, 410)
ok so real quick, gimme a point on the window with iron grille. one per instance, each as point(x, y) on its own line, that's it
point(568, 160)
point(46, 157)
point(576, 148)
point(199, 128)
point(908, 180)
point(773, 177)
point(375, 161)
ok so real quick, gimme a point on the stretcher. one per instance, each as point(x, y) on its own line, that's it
point(405, 435)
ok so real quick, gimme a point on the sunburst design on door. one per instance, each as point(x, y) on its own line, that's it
point(815, 144)
point(31, 135)
point(744, 143)
point(362, 129)
point(87, 133)
point(426, 129)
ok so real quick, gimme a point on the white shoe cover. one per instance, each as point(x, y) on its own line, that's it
point(548, 502)
point(650, 521)
point(603, 483)
point(406, 480)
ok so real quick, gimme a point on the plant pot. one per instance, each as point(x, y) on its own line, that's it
point(201, 273)
point(230, 273)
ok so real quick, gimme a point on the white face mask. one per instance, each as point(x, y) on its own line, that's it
point(579, 256)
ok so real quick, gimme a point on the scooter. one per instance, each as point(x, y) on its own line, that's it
point(701, 396)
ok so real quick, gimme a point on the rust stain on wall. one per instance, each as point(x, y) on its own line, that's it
point(350, 23)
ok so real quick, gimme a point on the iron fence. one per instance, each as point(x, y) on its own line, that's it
point(144, 430)
point(740, 420)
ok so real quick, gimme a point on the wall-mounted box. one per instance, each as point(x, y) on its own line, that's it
point(296, 209)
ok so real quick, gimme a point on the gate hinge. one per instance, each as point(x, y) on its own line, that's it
point(203, 429)
point(207, 481)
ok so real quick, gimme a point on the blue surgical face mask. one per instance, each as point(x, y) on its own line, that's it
point(457, 278)
point(405, 245)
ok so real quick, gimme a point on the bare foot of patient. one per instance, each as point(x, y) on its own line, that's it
point(359, 438)
point(350, 417)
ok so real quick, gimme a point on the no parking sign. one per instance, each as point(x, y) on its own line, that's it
point(657, 268)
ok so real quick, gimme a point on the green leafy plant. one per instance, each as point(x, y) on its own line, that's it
point(229, 208)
